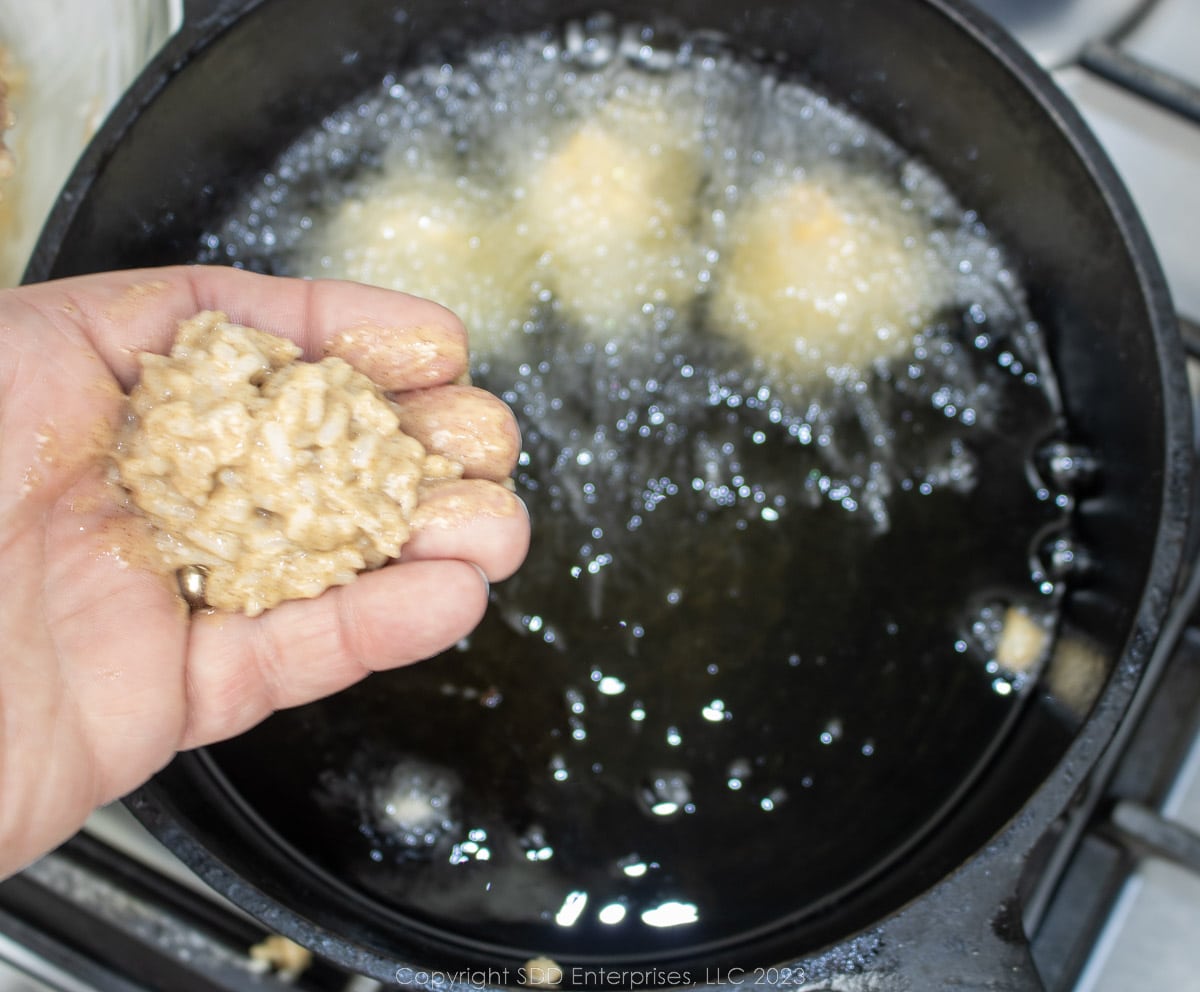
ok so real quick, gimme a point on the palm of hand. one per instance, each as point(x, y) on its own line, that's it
point(104, 674)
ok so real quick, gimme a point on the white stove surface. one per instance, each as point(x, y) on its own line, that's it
point(1055, 31)
point(1150, 939)
point(1157, 153)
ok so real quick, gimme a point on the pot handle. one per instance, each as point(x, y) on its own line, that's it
point(963, 935)
point(963, 944)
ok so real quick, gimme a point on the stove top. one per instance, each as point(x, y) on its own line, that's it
point(1056, 32)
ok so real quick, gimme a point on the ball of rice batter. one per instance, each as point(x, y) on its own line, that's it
point(826, 273)
point(276, 478)
point(421, 231)
point(610, 210)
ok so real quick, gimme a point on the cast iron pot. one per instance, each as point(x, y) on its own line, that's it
point(244, 79)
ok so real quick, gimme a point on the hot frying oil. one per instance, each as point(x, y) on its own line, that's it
point(755, 635)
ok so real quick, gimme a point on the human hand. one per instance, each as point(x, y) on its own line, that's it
point(103, 673)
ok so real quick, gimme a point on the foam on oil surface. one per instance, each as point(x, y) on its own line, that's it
point(748, 607)
point(438, 184)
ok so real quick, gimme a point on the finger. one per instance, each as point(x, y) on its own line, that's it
point(401, 357)
point(465, 424)
point(240, 670)
point(318, 313)
point(471, 520)
point(124, 313)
